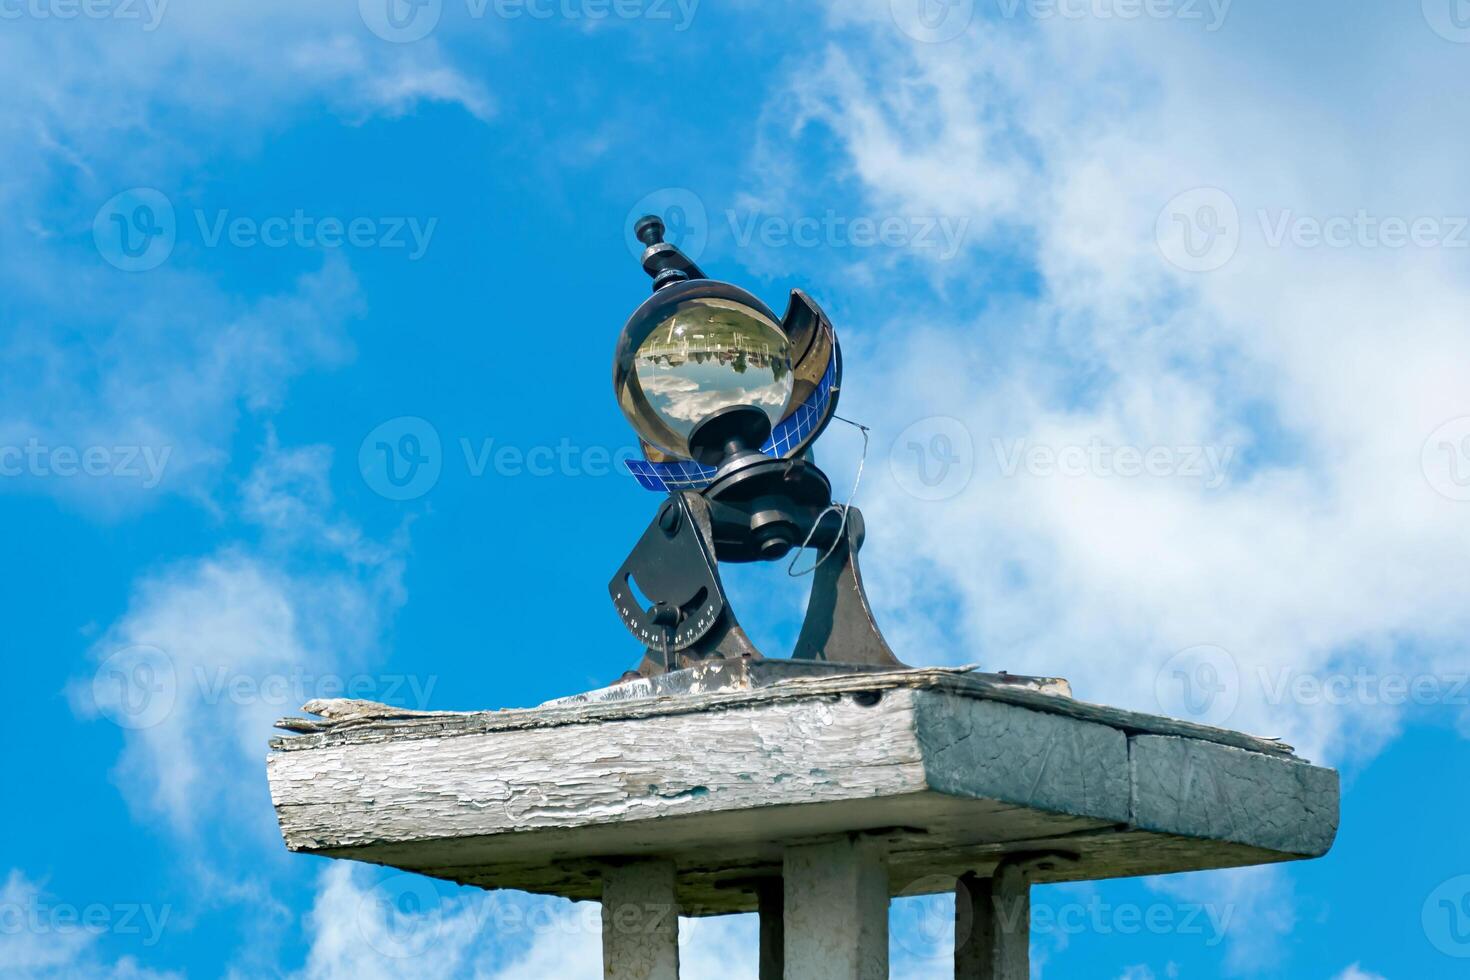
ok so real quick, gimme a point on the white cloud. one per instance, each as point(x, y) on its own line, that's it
point(1356, 972)
point(1247, 912)
point(212, 651)
point(45, 938)
point(160, 362)
point(243, 61)
point(1325, 371)
point(159, 382)
point(408, 926)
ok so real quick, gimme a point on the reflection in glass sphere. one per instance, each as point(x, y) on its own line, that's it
point(708, 354)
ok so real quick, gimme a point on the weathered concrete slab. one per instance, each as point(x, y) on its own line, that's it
point(1215, 792)
point(988, 750)
point(947, 773)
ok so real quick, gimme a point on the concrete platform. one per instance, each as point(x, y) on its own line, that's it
point(947, 775)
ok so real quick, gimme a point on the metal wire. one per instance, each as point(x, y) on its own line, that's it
point(832, 508)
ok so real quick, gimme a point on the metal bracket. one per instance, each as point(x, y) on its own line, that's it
point(839, 623)
point(685, 617)
point(688, 618)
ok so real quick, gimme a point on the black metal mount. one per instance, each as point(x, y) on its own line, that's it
point(757, 509)
point(662, 261)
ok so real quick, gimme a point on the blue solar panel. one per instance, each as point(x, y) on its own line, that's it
point(788, 433)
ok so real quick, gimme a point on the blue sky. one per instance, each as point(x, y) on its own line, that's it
point(1156, 312)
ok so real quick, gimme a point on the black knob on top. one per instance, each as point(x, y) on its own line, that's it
point(650, 230)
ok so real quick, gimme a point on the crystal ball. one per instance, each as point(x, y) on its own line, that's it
point(702, 347)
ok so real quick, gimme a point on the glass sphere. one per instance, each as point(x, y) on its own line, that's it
point(702, 353)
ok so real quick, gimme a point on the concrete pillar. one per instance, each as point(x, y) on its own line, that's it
point(993, 926)
point(836, 911)
point(640, 922)
point(772, 898)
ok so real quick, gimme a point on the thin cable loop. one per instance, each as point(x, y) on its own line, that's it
point(832, 508)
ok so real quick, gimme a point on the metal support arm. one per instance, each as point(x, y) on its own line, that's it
point(685, 617)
